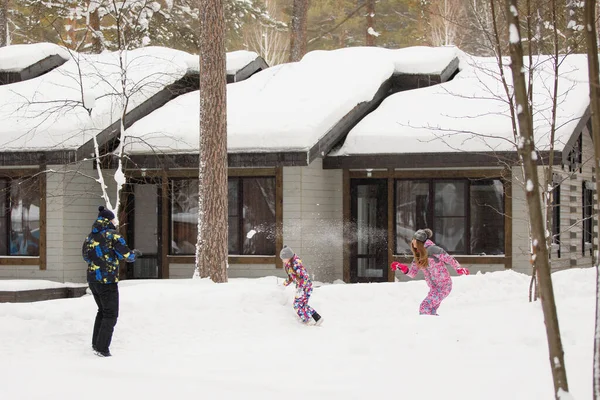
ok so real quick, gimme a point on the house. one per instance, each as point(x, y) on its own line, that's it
point(341, 156)
point(50, 194)
point(445, 157)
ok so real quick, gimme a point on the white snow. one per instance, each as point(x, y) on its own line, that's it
point(470, 113)
point(290, 106)
point(184, 339)
point(47, 113)
point(373, 32)
point(17, 57)
point(13, 285)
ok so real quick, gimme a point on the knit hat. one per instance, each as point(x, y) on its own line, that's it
point(423, 234)
point(105, 213)
point(286, 253)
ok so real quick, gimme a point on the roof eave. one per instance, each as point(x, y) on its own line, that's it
point(429, 160)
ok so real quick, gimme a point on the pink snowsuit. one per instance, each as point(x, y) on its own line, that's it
point(437, 277)
point(297, 273)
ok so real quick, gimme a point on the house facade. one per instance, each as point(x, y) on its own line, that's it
point(333, 170)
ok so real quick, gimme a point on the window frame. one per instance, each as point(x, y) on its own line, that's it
point(40, 259)
point(467, 208)
point(276, 172)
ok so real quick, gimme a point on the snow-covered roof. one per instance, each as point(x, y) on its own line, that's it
point(470, 113)
point(289, 107)
point(17, 57)
point(48, 113)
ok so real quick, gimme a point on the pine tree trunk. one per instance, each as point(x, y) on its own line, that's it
point(211, 253)
point(594, 72)
point(97, 46)
point(370, 22)
point(540, 249)
point(298, 31)
point(3, 23)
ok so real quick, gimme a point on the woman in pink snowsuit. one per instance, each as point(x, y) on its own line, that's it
point(433, 261)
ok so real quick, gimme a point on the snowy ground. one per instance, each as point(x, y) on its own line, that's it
point(191, 339)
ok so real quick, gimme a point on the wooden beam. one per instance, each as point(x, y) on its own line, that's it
point(346, 225)
point(278, 215)
point(165, 229)
point(43, 226)
point(391, 218)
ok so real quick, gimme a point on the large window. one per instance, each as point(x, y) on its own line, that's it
point(466, 216)
point(251, 215)
point(588, 209)
point(19, 217)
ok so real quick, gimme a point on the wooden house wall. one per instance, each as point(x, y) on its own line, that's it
point(571, 227)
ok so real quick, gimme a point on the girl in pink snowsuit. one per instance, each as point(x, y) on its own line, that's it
point(433, 261)
point(297, 273)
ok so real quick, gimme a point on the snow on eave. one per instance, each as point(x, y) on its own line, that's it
point(15, 58)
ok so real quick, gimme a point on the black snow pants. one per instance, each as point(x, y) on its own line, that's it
point(107, 299)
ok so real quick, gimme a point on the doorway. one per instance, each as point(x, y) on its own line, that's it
point(143, 227)
point(369, 230)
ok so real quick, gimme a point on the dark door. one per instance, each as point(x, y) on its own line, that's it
point(369, 247)
point(143, 229)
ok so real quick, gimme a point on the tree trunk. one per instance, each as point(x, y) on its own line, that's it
point(540, 249)
point(298, 32)
point(370, 23)
point(594, 72)
point(211, 247)
point(3, 23)
point(97, 46)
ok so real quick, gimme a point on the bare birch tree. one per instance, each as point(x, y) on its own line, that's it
point(270, 41)
point(594, 74)
point(447, 15)
point(298, 30)
point(211, 246)
point(539, 244)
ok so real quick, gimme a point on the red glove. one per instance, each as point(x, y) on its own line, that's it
point(462, 271)
point(402, 267)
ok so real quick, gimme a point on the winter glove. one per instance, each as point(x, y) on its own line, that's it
point(462, 271)
point(137, 253)
point(402, 267)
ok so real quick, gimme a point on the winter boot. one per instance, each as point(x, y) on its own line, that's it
point(317, 318)
point(102, 353)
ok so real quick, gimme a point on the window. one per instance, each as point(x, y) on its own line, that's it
point(251, 215)
point(19, 217)
point(588, 209)
point(556, 219)
point(466, 216)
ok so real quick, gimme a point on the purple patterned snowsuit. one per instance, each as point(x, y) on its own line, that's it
point(297, 274)
point(437, 277)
